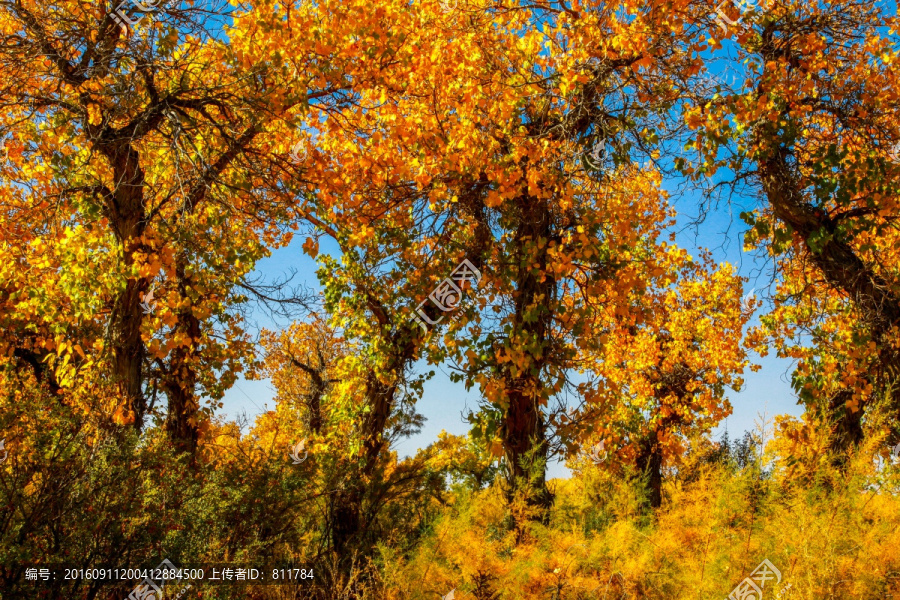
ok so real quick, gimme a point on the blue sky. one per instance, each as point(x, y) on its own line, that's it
point(444, 403)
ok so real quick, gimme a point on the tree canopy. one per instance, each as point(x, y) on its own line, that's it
point(490, 188)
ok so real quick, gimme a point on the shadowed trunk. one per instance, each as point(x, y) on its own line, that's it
point(125, 210)
point(842, 268)
point(649, 463)
point(346, 521)
point(344, 512)
point(523, 430)
point(348, 525)
point(349, 515)
point(35, 361)
point(180, 379)
point(320, 383)
point(847, 428)
point(844, 271)
point(525, 449)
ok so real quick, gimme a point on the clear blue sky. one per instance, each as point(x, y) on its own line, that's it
point(444, 403)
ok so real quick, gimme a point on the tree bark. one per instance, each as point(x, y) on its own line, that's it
point(836, 259)
point(346, 522)
point(842, 268)
point(347, 518)
point(180, 380)
point(649, 463)
point(125, 210)
point(523, 431)
point(525, 449)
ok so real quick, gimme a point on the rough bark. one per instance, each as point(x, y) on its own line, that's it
point(345, 506)
point(349, 515)
point(836, 259)
point(319, 386)
point(525, 448)
point(523, 431)
point(125, 211)
point(841, 266)
point(843, 270)
point(649, 463)
point(180, 379)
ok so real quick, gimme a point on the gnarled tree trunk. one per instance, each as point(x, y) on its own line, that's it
point(180, 379)
point(523, 430)
point(649, 464)
point(125, 210)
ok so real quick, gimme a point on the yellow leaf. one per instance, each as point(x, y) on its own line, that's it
point(311, 247)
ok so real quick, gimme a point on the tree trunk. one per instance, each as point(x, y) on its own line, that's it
point(128, 347)
point(523, 431)
point(346, 522)
point(847, 430)
point(180, 379)
point(348, 512)
point(649, 463)
point(844, 271)
point(525, 449)
point(125, 210)
point(839, 263)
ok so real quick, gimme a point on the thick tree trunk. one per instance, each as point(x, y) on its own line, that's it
point(523, 431)
point(348, 523)
point(182, 430)
point(125, 210)
point(179, 384)
point(847, 430)
point(381, 399)
point(525, 449)
point(839, 264)
point(128, 347)
point(838, 261)
point(180, 380)
point(649, 463)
